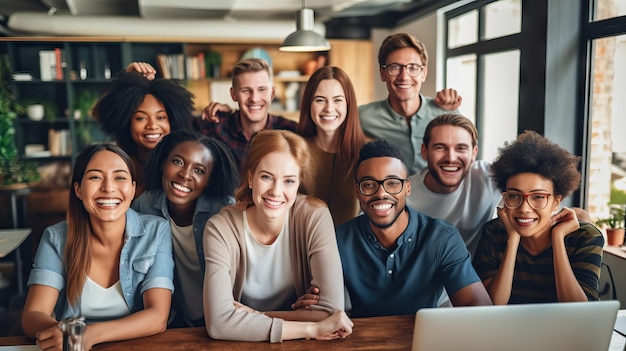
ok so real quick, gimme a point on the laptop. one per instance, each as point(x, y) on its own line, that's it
point(569, 326)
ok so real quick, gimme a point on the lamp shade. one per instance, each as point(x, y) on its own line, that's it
point(304, 39)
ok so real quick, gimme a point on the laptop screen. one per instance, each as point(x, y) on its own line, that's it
point(570, 326)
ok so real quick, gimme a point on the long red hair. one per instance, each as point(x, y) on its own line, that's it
point(350, 133)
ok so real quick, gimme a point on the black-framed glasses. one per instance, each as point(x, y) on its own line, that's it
point(394, 69)
point(392, 186)
point(514, 199)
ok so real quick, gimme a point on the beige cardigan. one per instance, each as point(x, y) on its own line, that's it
point(315, 260)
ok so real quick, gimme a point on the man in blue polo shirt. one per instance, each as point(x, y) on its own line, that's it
point(395, 259)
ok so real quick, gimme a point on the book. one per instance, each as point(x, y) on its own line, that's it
point(47, 65)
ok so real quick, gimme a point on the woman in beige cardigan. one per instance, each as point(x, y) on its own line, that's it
point(268, 249)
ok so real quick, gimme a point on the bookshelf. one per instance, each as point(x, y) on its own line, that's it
point(89, 63)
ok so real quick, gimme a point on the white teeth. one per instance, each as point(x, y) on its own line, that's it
point(450, 169)
point(180, 187)
point(403, 86)
point(108, 202)
point(525, 220)
point(152, 136)
point(273, 203)
point(381, 207)
point(328, 118)
point(255, 107)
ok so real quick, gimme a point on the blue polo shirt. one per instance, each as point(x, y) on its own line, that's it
point(429, 256)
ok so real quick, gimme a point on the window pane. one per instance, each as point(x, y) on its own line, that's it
point(463, 29)
point(502, 18)
point(500, 102)
point(605, 9)
point(607, 159)
point(461, 75)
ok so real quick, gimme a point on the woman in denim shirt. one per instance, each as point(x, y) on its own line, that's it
point(189, 178)
point(106, 262)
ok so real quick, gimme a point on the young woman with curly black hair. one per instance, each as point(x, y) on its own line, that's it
point(138, 112)
point(533, 252)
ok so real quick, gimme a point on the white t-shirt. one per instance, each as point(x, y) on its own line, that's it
point(468, 207)
point(269, 284)
point(187, 271)
point(102, 304)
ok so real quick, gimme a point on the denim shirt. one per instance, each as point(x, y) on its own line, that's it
point(155, 203)
point(145, 262)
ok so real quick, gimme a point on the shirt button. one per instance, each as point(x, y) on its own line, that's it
point(392, 255)
point(409, 239)
point(390, 271)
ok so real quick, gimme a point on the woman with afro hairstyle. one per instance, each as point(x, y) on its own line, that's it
point(533, 252)
point(138, 112)
point(188, 179)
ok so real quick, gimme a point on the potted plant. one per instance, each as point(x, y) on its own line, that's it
point(614, 224)
point(14, 171)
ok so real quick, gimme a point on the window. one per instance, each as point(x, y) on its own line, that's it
point(485, 71)
point(606, 83)
point(605, 9)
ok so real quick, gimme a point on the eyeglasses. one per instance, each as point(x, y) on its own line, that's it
point(513, 199)
point(392, 186)
point(394, 69)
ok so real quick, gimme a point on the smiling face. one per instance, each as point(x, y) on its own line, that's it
point(149, 124)
point(106, 189)
point(527, 221)
point(403, 87)
point(329, 107)
point(450, 155)
point(253, 92)
point(186, 172)
point(274, 183)
point(383, 209)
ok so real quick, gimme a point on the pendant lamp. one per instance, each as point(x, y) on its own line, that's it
point(304, 39)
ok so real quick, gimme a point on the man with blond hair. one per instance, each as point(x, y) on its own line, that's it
point(253, 90)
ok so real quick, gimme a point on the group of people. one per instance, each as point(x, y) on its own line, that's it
point(263, 229)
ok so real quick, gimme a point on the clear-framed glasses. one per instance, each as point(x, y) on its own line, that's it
point(394, 69)
point(392, 186)
point(514, 199)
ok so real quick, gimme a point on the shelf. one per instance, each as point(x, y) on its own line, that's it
point(23, 120)
point(104, 57)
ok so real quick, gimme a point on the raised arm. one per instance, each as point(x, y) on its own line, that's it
point(210, 112)
point(143, 68)
point(568, 288)
point(501, 285)
point(448, 99)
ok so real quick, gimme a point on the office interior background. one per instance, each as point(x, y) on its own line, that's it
point(554, 66)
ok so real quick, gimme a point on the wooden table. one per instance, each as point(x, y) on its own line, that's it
point(377, 333)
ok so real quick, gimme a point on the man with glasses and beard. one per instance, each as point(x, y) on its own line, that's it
point(396, 260)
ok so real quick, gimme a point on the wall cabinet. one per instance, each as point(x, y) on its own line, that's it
point(81, 69)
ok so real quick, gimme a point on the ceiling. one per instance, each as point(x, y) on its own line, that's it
point(370, 13)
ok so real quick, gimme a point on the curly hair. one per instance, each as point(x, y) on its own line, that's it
point(532, 153)
point(224, 177)
point(117, 105)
